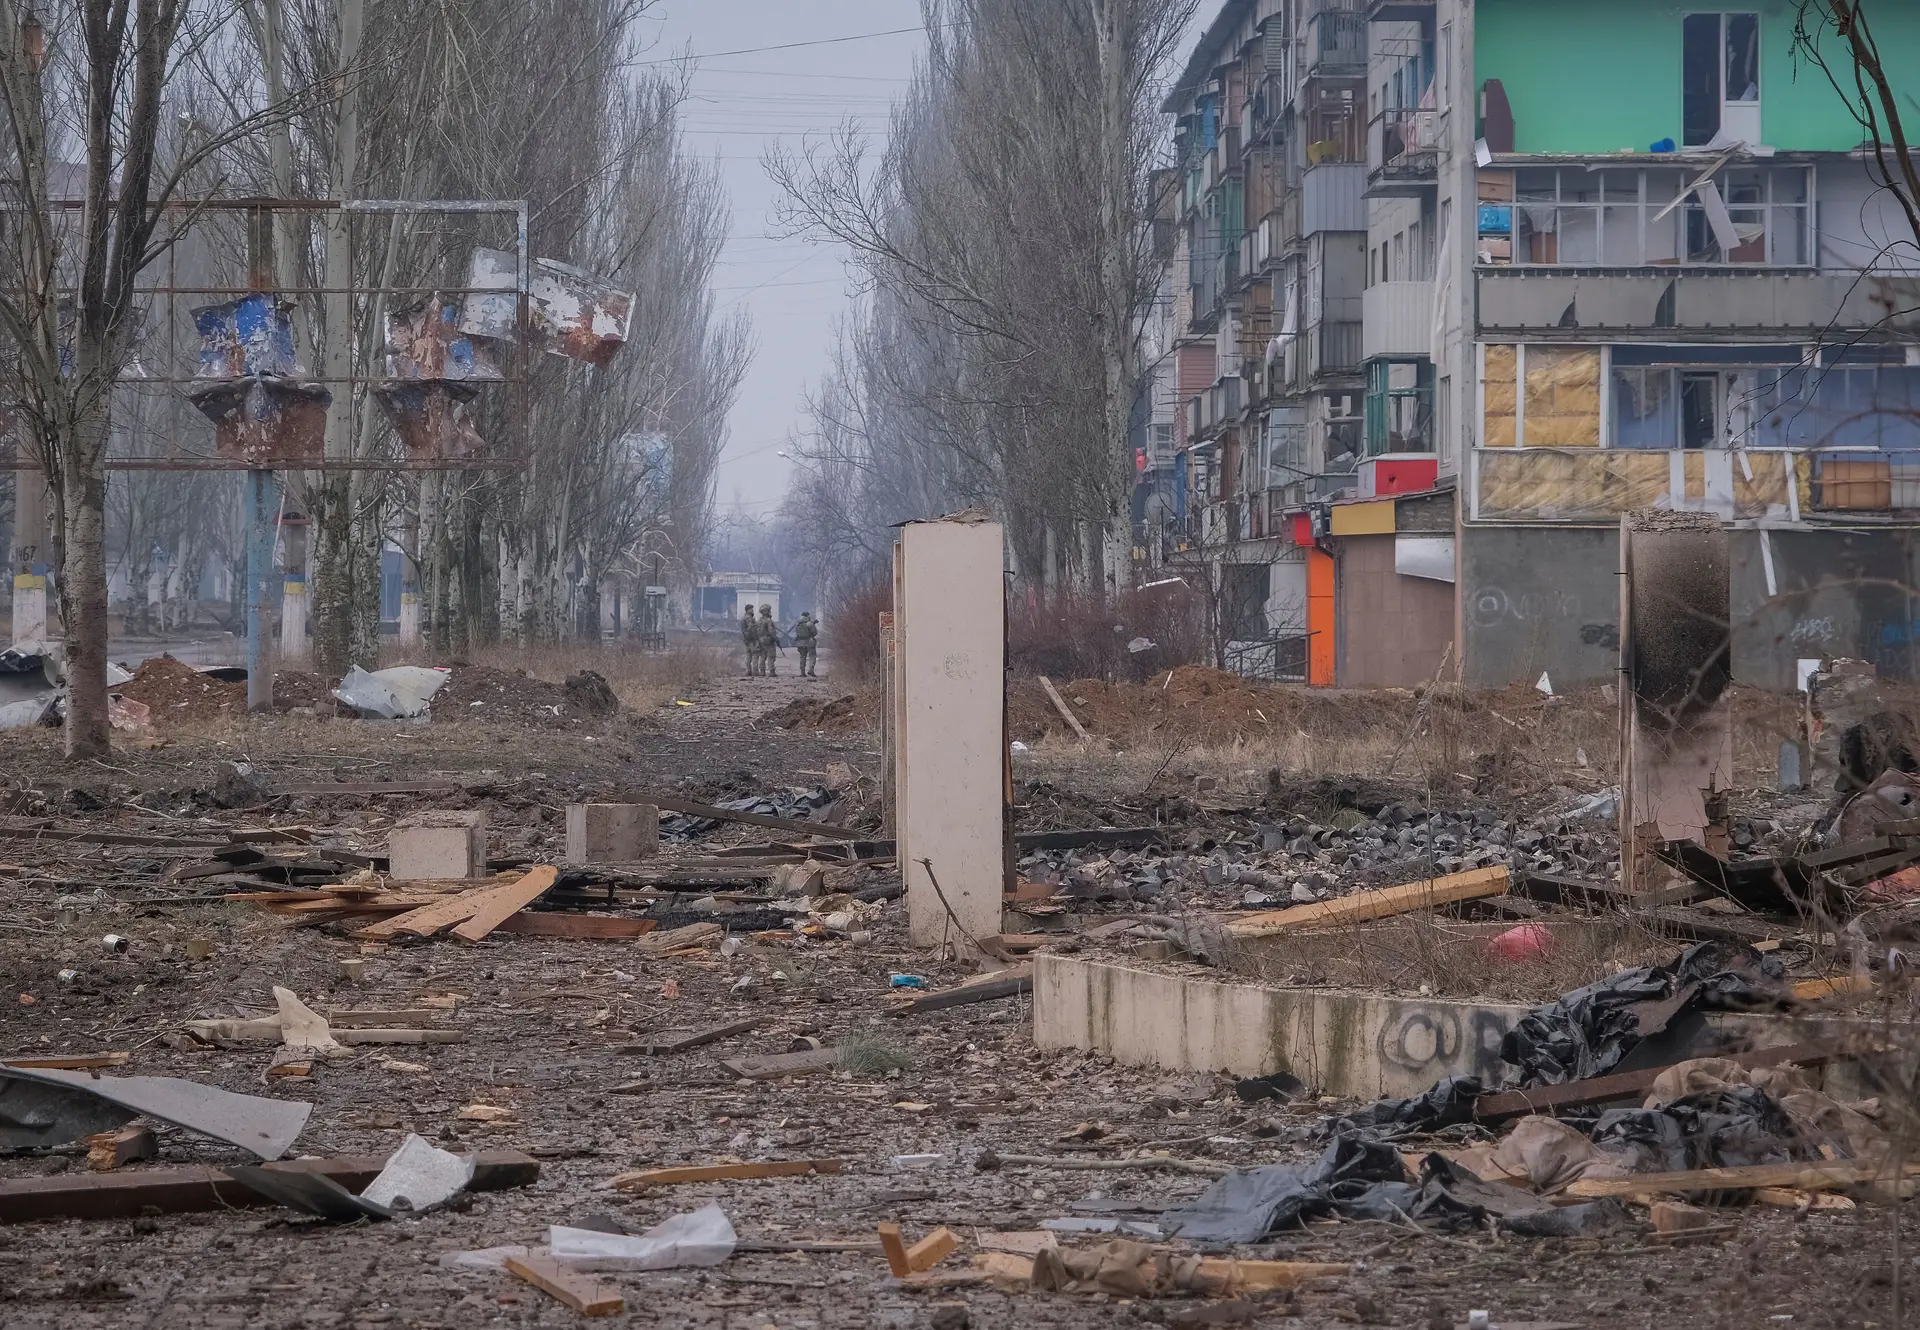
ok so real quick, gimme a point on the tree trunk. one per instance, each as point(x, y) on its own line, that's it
point(83, 581)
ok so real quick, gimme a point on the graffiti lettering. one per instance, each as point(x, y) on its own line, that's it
point(1811, 630)
point(1489, 605)
point(1604, 635)
point(1429, 1041)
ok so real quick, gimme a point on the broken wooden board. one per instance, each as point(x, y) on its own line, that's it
point(498, 905)
point(186, 1190)
point(69, 1061)
point(267, 1030)
point(895, 1249)
point(1801, 1177)
point(782, 1064)
point(931, 1250)
point(1060, 705)
point(428, 919)
point(372, 787)
point(589, 927)
point(991, 990)
point(1364, 906)
point(1218, 1275)
point(1847, 985)
point(108, 1150)
point(1629, 1084)
point(770, 1168)
point(584, 1294)
point(362, 1018)
point(681, 1043)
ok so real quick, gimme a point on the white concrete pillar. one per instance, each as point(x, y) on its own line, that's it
point(950, 745)
point(293, 617)
point(409, 618)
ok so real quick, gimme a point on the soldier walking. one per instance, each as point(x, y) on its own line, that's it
point(769, 641)
point(806, 640)
point(750, 638)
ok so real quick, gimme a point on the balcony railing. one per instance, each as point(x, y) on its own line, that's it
point(1336, 349)
point(1403, 153)
point(1337, 40)
point(1398, 317)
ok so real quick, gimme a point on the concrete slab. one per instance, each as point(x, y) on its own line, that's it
point(1363, 1045)
point(612, 833)
point(439, 845)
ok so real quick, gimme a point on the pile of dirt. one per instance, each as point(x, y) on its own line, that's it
point(303, 688)
point(1192, 702)
point(483, 693)
point(854, 713)
point(177, 692)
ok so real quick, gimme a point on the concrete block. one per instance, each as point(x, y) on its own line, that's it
point(438, 845)
point(1360, 1045)
point(612, 833)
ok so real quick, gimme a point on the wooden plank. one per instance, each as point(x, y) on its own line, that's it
point(400, 1036)
point(895, 1249)
point(69, 1061)
point(966, 995)
point(768, 1168)
point(500, 904)
point(1802, 1177)
point(782, 1064)
point(932, 1249)
point(108, 1150)
point(585, 1295)
point(372, 787)
point(428, 919)
point(1628, 1084)
point(667, 803)
point(363, 1018)
point(661, 1047)
point(1060, 705)
point(122, 1195)
point(1368, 905)
point(597, 927)
point(1226, 1275)
point(1813, 990)
point(110, 838)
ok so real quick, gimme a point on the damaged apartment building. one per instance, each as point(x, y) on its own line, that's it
point(1459, 282)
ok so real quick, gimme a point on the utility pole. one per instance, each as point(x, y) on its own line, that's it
point(261, 504)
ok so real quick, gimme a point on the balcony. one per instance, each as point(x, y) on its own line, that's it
point(1398, 318)
point(1333, 197)
point(1214, 408)
point(1639, 305)
point(1400, 11)
point(1337, 40)
point(1335, 350)
point(1403, 153)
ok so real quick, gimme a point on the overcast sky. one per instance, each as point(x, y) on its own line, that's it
point(742, 105)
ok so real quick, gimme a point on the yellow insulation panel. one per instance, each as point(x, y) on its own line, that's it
point(1500, 429)
point(1563, 397)
point(1766, 492)
point(1361, 519)
point(1547, 484)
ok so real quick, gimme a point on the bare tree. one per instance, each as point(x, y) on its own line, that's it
point(1005, 235)
point(1863, 83)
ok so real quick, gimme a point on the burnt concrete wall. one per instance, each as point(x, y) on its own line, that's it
point(1547, 598)
point(1838, 593)
point(1391, 630)
point(1540, 598)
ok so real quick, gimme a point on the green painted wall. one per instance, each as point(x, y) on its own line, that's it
point(1587, 76)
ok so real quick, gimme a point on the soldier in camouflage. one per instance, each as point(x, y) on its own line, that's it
point(806, 640)
point(750, 638)
point(769, 632)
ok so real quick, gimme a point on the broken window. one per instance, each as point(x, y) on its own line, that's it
point(1720, 77)
point(1645, 409)
point(1613, 218)
point(1399, 407)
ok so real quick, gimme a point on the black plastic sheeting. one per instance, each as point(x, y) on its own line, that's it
point(794, 802)
point(1727, 1128)
point(1360, 1179)
point(1588, 1031)
point(1446, 1104)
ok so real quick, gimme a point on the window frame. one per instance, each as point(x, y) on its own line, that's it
point(1779, 217)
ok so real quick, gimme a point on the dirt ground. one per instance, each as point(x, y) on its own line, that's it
point(550, 1026)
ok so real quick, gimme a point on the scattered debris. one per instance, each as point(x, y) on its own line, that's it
point(701, 1237)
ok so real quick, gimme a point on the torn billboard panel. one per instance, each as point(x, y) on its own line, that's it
point(570, 312)
point(250, 335)
point(425, 341)
point(430, 416)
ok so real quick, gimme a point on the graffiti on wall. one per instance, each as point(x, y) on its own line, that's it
point(1443, 1040)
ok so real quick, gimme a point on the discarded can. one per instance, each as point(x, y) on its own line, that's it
point(906, 981)
point(116, 944)
point(65, 977)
